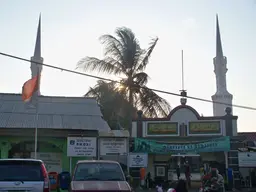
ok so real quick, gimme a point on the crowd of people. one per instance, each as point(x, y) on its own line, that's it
point(182, 185)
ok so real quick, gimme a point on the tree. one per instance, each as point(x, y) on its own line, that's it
point(124, 58)
point(113, 105)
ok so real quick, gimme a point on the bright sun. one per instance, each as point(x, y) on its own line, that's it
point(121, 87)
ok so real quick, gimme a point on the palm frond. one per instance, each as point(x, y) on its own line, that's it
point(147, 55)
point(131, 47)
point(141, 78)
point(109, 66)
point(92, 93)
point(152, 104)
point(113, 48)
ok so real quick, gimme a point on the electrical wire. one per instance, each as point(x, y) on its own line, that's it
point(111, 80)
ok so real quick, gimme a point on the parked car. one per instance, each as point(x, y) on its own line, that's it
point(98, 175)
point(23, 175)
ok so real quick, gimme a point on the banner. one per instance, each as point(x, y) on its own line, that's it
point(150, 146)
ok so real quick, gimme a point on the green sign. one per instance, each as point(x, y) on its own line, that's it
point(162, 128)
point(151, 146)
point(204, 127)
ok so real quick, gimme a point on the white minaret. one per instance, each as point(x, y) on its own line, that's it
point(220, 69)
point(37, 69)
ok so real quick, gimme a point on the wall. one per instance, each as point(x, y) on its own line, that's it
point(52, 145)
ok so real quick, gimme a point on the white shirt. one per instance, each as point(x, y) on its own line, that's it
point(159, 189)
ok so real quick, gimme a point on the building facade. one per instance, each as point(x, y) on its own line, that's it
point(185, 136)
point(54, 118)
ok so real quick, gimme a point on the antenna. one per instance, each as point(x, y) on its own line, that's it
point(182, 70)
point(183, 93)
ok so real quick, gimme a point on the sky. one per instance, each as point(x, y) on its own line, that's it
point(71, 31)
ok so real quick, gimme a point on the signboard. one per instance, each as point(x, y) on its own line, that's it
point(247, 159)
point(151, 146)
point(138, 160)
point(81, 147)
point(162, 129)
point(113, 146)
point(53, 161)
point(204, 127)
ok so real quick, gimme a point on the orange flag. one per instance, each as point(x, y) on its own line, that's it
point(29, 88)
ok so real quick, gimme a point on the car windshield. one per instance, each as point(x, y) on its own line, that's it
point(20, 171)
point(99, 172)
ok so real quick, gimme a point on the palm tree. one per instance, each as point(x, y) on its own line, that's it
point(113, 105)
point(124, 58)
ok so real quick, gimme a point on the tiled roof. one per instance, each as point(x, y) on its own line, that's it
point(250, 136)
point(53, 112)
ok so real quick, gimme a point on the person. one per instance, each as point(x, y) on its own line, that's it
point(181, 186)
point(159, 188)
point(220, 181)
point(212, 174)
point(148, 180)
point(178, 171)
point(187, 174)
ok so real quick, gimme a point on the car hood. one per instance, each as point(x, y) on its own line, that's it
point(100, 185)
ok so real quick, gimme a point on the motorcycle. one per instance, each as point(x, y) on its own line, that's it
point(211, 186)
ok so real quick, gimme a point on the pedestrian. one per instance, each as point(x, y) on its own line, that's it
point(148, 180)
point(181, 186)
point(178, 171)
point(187, 174)
point(159, 188)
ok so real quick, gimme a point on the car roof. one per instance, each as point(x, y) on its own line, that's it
point(20, 159)
point(96, 161)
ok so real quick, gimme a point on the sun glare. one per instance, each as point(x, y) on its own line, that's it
point(121, 87)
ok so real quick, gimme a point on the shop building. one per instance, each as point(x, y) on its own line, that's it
point(58, 118)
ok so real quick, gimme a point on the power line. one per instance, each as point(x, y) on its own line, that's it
point(111, 80)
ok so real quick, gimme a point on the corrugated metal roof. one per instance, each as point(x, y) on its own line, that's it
point(250, 136)
point(53, 112)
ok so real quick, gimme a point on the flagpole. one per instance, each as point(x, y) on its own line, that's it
point(36, 129)
point(37, 105)
point(30, 91)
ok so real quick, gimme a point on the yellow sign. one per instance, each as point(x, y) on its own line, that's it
point(207, 127)
point(162, 128)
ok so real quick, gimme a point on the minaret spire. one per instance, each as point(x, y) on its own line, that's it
point(219, 52)
point(35, 68)
point(220, 69)
point(37, 52)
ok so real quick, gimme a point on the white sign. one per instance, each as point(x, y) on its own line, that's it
point(52, 161)
point(113, 146)
point(81, 147)
point(247, 159)
point(138, 160)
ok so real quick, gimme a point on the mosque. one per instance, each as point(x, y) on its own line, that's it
point(183, 135)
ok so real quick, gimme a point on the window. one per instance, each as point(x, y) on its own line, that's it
point(160, 171)
point(20, 171)
point(99, 172)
